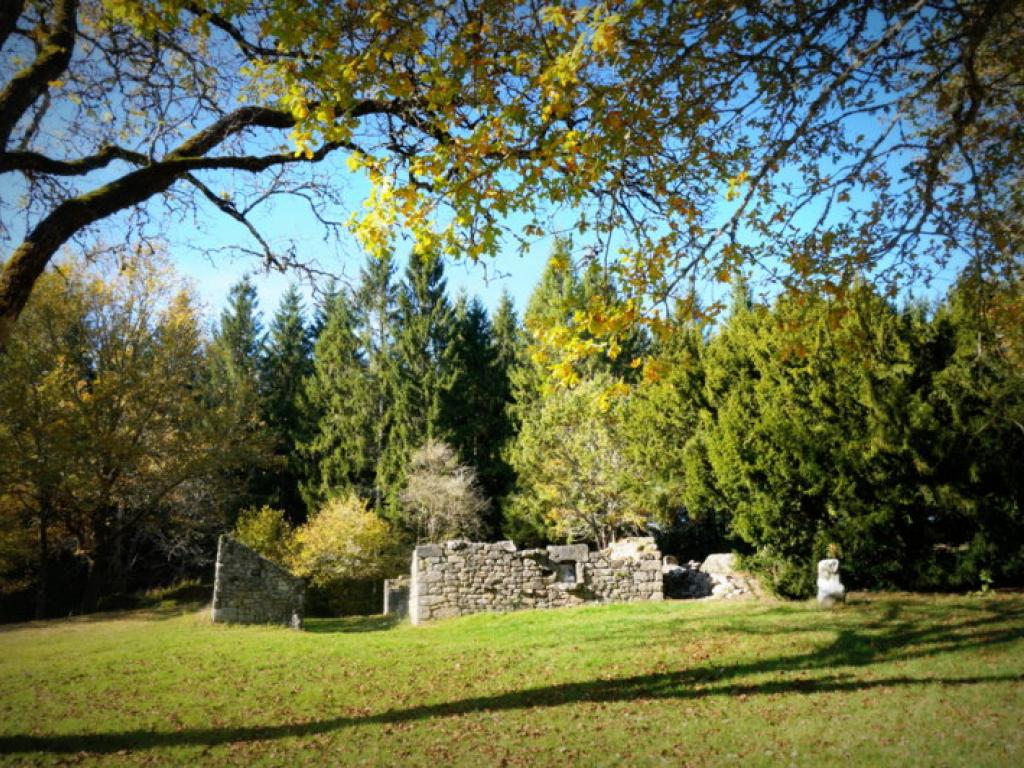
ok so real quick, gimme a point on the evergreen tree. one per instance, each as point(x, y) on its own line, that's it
point(819, 439)
point(424, 327)
point(323, 308)
point(508, 344)
point(234, 364)
point(235, 351)
point(284, 365)
point(978, 396)
point(660, 417)
point(338, 409)
point(376, 314)
point(476, 415)
point(507, 335)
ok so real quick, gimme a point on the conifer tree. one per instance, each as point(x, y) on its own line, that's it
point(660, 417)
point(508, 342)
point(238, 339)
point(507, 335)
point(423, 331)
point(338, 407)
point(476, 415)
point(285, 363)
point(376, 314)
point(323, 308)
point(978, 396)
point(234, 364)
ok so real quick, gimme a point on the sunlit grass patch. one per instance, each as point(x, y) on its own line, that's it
point(890, 679)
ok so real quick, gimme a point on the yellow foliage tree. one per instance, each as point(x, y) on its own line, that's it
point(106, 428)
point(268, 532)
point(344, 540)
point(686, 140)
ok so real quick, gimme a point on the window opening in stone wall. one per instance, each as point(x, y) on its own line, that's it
point(567, 573)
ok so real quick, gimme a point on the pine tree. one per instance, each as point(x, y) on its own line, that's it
point(284, 365)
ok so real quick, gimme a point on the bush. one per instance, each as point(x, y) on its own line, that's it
point(344, 540)
point(785, 577)
point(266, 531)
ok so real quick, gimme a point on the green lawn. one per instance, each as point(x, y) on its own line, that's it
point(889, 679)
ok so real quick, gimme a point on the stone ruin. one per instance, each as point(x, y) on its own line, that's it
point(460, 577)
point(716, 577)
point(249, 589)
point(396, 597)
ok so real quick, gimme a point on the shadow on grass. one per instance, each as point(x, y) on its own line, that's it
point(351, 624)
point(156, 610)
point(896, 636)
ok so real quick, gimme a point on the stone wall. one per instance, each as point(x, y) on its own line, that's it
point(249, 589)
point(459, 577)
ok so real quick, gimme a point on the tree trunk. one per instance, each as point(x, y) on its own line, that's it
point(44, 567)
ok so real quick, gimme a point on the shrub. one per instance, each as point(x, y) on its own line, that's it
point(344, 540)
point(266, 531)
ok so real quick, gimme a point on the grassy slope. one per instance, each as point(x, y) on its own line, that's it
point(890, 679)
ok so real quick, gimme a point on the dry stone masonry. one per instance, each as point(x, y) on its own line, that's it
point(249, 589)
point(460, 577)
point(716, 577)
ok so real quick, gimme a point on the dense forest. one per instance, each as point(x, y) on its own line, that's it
point(331, 437)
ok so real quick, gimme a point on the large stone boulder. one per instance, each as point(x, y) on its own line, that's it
point(830, 588)
point(724, 580)
point(723, 563)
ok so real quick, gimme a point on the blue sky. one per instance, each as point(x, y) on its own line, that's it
point(202, 251)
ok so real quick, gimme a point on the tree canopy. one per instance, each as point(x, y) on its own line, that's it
point(815, 141)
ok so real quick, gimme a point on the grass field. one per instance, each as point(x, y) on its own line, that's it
point(887, 679)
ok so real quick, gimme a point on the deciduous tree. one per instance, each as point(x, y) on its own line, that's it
point(112, 439)
point(815, 140)
point(574, 471)
point(344, 540)
point(442, 499)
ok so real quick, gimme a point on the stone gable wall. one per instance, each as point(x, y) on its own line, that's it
point(460, 577)
point(249, 589)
